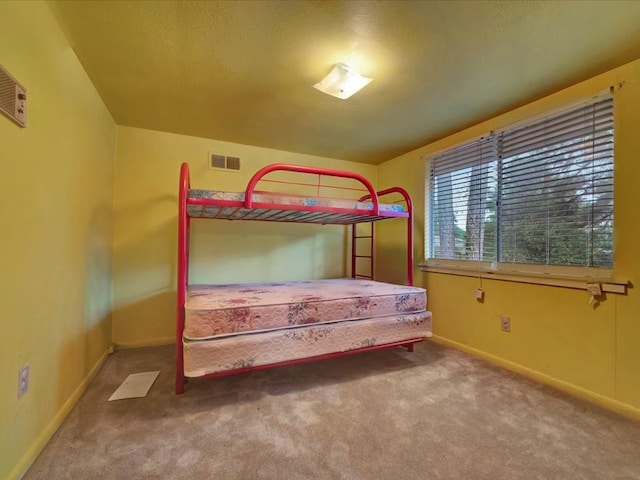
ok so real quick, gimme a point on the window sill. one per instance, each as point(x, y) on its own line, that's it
point(566, 277)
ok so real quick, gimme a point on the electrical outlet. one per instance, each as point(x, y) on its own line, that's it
point(505, 324)
point(23, 380)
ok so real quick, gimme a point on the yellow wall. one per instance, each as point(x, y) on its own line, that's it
point(145, 230)
point(56, 190)
point(555, 335)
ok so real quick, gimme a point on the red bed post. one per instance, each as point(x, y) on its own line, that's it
point(183, 265)
point(407, 199)
point(353, 251)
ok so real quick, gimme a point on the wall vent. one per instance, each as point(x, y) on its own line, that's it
point(13, 98)
point(218, 161)
point(223, 162)
point(233, 163)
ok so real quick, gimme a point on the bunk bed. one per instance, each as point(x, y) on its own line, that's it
point(236, 328)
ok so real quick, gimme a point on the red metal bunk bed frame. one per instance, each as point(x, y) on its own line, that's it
point(331, 216)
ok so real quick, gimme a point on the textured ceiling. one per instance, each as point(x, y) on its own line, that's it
point(242, 71)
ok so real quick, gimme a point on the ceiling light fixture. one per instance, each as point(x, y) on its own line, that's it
point(342, 82)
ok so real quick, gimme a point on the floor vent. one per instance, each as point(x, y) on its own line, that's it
point(224, 162)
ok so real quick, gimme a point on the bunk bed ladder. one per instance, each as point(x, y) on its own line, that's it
point(354, 251)
point(354, 236)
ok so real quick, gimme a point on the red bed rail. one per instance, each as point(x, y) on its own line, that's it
point(248, 200)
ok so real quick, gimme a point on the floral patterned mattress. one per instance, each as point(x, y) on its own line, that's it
point(221, 310)
point(255, 349)
point(230, 206)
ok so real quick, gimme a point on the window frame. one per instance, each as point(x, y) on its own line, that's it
point(557, 275)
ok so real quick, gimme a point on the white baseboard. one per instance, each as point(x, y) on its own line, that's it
point(41, 441)
point(600, 400)
point(156, 342)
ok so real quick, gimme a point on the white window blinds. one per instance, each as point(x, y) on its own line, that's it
point(539, 193)
point(463, 200)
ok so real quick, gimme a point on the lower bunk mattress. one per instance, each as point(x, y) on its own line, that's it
point(215, 310)
point(220, 354)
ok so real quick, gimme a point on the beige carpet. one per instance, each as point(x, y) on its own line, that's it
point(434, 414)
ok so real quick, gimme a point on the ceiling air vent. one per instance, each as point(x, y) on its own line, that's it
point(13, 98)
point(223, 162)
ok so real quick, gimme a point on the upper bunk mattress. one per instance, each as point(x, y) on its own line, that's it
point(285, 207)
point(218, 310)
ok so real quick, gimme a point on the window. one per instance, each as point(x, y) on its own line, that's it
point(539, 193)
